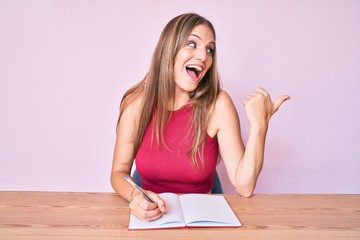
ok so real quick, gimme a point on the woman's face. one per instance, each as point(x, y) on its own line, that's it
point(194, 59)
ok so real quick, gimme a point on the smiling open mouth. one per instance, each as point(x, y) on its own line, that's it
point(194, 71)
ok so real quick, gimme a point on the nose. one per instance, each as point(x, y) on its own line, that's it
point(201, 54)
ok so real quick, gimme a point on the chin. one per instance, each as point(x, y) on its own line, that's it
point(191, 89)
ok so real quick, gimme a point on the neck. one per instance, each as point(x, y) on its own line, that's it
point(180, 101)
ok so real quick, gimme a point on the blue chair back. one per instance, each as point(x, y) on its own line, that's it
point(217, 188)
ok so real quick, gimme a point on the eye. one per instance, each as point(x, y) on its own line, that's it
point(191, 44)
point(210, 50)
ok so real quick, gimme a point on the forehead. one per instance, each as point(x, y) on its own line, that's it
point(203, 32)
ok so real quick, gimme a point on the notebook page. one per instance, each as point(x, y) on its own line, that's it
point(173, 217)
point(207, 210)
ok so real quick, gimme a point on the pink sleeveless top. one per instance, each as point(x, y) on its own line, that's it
point(164, 170)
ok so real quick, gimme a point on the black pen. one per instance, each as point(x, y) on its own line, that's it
point(138, 188)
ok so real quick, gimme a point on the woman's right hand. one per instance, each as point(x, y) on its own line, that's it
point(145, 210)
point(259, 106)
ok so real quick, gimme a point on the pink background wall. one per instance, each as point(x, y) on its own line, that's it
point(64, 66)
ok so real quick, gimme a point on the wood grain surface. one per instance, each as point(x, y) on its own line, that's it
point(75, 215)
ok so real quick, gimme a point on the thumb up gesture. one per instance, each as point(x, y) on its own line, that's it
point(259, 106)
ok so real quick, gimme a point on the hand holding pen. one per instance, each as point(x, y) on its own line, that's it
point(148, 207)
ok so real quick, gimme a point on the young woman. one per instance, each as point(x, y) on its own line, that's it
point(177, 122)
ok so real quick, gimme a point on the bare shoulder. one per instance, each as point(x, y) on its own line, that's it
point(223, 102)
point(224, 113)
point(132, 104)
point(130, 114)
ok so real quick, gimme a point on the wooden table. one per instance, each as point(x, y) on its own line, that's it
point(65, 215)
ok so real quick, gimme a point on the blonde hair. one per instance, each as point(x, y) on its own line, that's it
point(157, 88)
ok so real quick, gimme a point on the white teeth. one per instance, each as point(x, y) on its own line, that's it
point(197, 68)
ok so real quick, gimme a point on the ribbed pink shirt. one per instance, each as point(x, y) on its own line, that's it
point(164, 170)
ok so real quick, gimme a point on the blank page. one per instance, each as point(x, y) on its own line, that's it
point(207, 210)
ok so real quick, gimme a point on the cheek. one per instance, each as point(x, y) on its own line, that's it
point(209, 64)
point(177, 68)
point(183, 55)
point(180, 60)
point(177, 60)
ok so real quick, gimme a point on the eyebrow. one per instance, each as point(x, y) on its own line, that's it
point(195, 35)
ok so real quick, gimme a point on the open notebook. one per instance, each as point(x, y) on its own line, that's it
point(191, 210)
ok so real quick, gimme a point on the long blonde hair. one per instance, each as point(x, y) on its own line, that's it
point(157, 88)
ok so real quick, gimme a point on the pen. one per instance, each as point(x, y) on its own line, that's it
point(138, 188)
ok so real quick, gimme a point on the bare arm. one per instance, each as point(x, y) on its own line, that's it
point(123, 159)
point(244, 163)
point(124, 153)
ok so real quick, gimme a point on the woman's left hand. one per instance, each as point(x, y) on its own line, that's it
point(259, 106)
